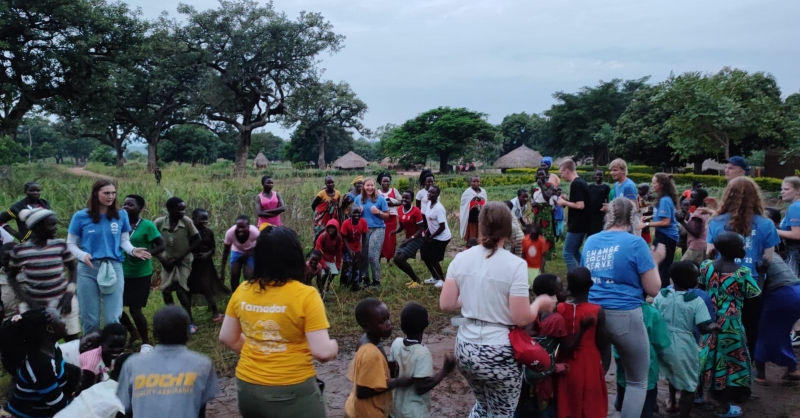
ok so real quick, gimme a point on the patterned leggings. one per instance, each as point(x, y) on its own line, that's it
point(494, 377)
point(375, 238)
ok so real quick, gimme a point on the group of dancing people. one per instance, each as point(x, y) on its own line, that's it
point(700, 323)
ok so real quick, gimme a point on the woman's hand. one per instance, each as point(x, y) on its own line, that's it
point(141, 254)
point(374, 210)
point(87, 259)
point(659, 253)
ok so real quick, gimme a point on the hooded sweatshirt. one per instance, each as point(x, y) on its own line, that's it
point(331, 248)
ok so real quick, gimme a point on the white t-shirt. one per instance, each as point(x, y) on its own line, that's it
point(5, 237)
point(436, 215)
point(414, 361)
point(422, 196)
point(484, 285)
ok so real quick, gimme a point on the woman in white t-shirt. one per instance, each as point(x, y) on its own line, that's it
point(426, 180)
point(437, 236)
point(490, 287)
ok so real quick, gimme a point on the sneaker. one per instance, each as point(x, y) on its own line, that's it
point(192, 329)
point(795, 339)
point(431, 281)
point(146, 348)
point(439, 283)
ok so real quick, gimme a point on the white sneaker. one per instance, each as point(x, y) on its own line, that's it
point(146, 348)
point(439, 283)
point(795, 339)
point(430, 281)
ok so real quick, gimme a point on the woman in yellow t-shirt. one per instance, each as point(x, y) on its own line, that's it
point(278, 325)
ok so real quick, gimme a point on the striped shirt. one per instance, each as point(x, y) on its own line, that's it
point(40, 387)
point(44, 268)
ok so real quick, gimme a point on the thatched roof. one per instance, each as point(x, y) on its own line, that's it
point(260, 160)
point(522, 157)
point(350, 161)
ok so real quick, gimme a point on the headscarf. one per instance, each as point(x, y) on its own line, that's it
point(32, 216)
point(357, 179)
point(547, 161)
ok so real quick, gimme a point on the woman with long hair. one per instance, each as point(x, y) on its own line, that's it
point(97, 237)
point(489, 285)
point(375, 211)
point(32, 200)
point(393, 200)
point(664, 221)
point(278, 326)
point(742, 211)
point(623, 270)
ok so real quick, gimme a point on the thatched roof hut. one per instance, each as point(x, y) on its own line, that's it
point(260, 161)
point(350, 161)
point(522, 157)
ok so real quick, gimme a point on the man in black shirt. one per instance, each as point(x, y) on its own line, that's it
point(598, 195)
point(578, 217)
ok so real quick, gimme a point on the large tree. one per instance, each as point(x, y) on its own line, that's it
point(303, 147)
point(576, 122)
point(258, 58)
point(446, 132)
point(718, 113)
point(325, 106)
point(48, 48)
point(522, 129)
point(268, 143)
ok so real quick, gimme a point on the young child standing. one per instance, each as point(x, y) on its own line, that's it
point(683, 310)
point(313, 267)
point(582, 393)
point(534, 247)
point(329, 243)
point(725, 358)
point(369, 371)
point(354, 234)
point(414, 360)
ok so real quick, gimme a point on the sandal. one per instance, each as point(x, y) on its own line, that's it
point(733, 412)
point(763, 382)
point(192, 329)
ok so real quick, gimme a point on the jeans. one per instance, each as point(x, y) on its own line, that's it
point(572, 249)
point(650, 404)
point(628, 334)
point(90, 298)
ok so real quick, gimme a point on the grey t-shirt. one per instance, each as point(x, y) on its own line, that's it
point(415, 361)
point(172, 381)
point(780, 274)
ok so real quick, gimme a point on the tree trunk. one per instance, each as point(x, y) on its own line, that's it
point(697, 160)
point(240, 168)
point(120, 155)
point(321, 155)
point(444, 168)
point(152, 155)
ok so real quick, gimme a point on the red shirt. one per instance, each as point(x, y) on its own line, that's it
point(410, 221)
point(331, 249)
point(354, 233)
point(533, 251)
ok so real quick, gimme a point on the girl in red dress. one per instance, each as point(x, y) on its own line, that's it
point(582, 392)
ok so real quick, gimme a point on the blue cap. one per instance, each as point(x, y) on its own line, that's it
point(740, 162)
point(547, 161)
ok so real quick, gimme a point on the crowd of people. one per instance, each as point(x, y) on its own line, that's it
point(701, 323)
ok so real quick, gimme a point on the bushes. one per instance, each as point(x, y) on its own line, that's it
point(632, 169)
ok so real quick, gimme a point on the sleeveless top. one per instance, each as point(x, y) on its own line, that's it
point(266, 204)
point(394, 194)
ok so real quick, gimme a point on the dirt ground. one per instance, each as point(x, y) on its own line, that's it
point(452, 398)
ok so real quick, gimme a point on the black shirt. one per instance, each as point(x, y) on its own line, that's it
point(598, 194)
point(579, 220)
point(13, 214)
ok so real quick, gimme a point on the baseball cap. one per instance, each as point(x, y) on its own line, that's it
point(740, 162)
point(547, 161)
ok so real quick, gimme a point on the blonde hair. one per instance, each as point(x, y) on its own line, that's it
point(567, 164)
point(621, 213)
point(494, 224)
point(619, 163)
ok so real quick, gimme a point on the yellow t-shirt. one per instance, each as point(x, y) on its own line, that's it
point(274, 322)
point(369, 369)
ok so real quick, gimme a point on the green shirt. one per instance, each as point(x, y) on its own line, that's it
point(658, 333)
point(142, 237)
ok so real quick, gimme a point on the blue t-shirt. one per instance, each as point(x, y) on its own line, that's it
point(373, 221)
point(102, 239)
point(559, 215)
point(617, 259)
point(792, 217)
point(763, 236)
point(666, 210)
point(627, 189)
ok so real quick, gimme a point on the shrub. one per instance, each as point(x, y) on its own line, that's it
point(403, 184)
point(302, 165)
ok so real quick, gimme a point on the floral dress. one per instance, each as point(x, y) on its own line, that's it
point(327, 209)
point(725, 359)
point(543, 215)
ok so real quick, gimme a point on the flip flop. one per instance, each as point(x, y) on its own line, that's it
point(762, 382)
point(733, 412)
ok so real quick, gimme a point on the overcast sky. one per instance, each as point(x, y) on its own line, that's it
point(403, 57)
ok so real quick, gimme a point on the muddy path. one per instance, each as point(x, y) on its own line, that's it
point(452, 398)
point(81, 171)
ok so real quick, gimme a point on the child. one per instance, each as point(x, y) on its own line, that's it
point(582, 393)
point(534, 247)
point(239, 242)
point(329, 243)
point(537, 398)
point(725, 358)
point(354, 234)
point(558, 216)
point(658, 334)
point(369, 371)
point(644, 209)
point(683, 310)
point(180, 381)
point(414, 360)
point(313, 267)
point(682, 232)
point(514, 244)
point(45, 261)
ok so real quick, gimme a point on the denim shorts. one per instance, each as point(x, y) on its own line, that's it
point(235, 256)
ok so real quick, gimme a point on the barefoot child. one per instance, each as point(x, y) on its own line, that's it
point(330, 244)
point(354, 234)
point(725, 358)
point(369, 371)
point(313, 267)
point(414, 360)
point(582, 393)
point(534, 247)
point(682, 310)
